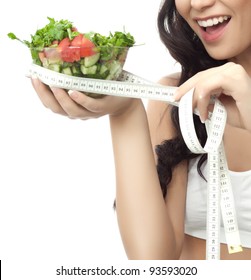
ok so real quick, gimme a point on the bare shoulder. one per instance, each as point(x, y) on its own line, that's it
point(170, 80)
point(158, 113)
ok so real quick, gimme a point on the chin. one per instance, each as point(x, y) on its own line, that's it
point(223, 51)
point(219, 55)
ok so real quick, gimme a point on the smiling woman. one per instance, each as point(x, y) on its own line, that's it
point(160, 196)
point(227, 34)
point(65, 206)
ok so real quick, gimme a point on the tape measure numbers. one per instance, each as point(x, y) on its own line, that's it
point(128, 85)
point(220, 197)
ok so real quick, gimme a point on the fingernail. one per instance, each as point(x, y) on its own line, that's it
point(72, 93)
point(203, 119)
point(34, 76)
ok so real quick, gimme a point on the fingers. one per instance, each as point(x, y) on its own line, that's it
point(75, 104)
point(209, 81)
point(59, 101)
point(94, 105)
point(202, 97)
point(47, 98)
point(212, 82)
point(202, 106)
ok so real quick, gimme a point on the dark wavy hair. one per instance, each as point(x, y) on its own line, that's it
point(186, 48)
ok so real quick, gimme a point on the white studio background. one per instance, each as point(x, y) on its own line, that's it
point(57, 182)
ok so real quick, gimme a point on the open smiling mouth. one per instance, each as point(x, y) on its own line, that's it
point(214, 24)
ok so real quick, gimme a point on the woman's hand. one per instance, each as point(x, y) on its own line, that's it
point(231, 84)
point(77, 105)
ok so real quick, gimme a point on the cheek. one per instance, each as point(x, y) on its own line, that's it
point(183, 7)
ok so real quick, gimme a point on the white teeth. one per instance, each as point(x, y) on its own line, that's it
point(212, 21)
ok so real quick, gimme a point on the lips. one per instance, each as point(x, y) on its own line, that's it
point(212, 28)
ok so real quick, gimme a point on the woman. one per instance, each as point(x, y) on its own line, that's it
point(160, 211)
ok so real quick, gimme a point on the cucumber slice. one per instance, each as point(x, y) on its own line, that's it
point(104, 75)
point(76, 71)
point(88, 70)
point(103, 69)
point(91, 60)
point(115, 70)
point(81, 61)
point(98, 75)
point(67, 71)
point(54, 67)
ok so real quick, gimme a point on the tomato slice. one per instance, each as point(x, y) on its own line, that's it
point(77, 41)
point(73, 50)
point(68, 53)
point(64, 43)
point(87, 47)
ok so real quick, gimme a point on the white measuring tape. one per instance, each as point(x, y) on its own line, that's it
point(219, 184)
point(220, 196)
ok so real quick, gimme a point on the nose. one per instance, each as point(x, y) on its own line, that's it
point(202, 4)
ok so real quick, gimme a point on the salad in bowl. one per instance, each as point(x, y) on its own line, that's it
point(60, 47)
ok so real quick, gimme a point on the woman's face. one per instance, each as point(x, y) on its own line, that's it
point(223, 26)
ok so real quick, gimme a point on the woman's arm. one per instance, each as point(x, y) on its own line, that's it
point(151, 228)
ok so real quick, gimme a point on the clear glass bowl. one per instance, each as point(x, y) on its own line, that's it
point(104, 62)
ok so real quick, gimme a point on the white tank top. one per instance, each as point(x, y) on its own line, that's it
point(196, 203)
